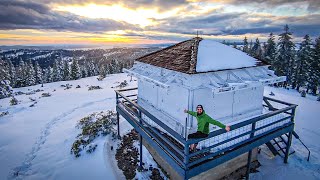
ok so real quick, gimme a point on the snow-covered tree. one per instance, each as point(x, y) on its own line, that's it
point(285, 56)
point(271, 49)
point(314, 70)
point(56, 74)
point(75, 70)
point(38, 73)
point(84, 72)
point(31, 80)
point(245, 45)
point(12, 73)
point(66, 71)
point(257, 50)
point(48, 75)
point(5, 88)
point(302, 63)
point(21, 74)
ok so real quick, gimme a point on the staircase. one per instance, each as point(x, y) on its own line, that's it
point(278, 145)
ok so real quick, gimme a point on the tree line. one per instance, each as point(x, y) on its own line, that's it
point(301, 65)
point(29, 73)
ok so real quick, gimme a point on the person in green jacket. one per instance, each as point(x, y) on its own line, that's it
point(203, 125)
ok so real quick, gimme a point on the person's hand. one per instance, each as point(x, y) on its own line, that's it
point(185, 111)
point(227, 128)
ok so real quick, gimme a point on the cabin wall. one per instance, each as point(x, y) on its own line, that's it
point(171, 101)
point(228, 107)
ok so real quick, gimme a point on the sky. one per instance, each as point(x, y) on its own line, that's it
point(111, 22)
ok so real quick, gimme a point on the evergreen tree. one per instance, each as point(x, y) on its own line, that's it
point(5, 88)
point(66, 71)
point(302, 64)
point(12, 74)
point(56, 74)
point(38, 73)
point(285, 56)
point(21, 74)
point(314, 70)
point(250, 48)
point(257, 50)
point(75, 70)
point(271, 49)
point(84, 72)
point(31, 80)
point(48, 75)
point(245, 45)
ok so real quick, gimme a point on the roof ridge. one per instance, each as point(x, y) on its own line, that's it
point(194, 54)
point(165, 48)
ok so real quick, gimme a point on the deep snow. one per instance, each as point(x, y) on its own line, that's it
point(36, 141)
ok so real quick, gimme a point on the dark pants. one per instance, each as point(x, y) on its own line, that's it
point(197, 135)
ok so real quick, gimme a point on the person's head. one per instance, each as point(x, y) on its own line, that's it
point(199, 109)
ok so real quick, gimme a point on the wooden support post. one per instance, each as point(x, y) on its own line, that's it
point(141, 152)
point(248, 164)
point(253, 127)
point(140, 120)
point(288, 148)
point(289, 137)
point(118, 125)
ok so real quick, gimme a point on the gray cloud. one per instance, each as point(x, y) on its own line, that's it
point(241, 23)
point(313, 5)
point(30, 15)
point(161, 5)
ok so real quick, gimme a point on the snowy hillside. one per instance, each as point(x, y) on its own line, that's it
point(35, 141)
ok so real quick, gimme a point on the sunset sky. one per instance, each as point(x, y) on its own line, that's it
point(105, 22)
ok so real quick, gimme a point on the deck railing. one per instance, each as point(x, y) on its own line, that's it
point(223, 146)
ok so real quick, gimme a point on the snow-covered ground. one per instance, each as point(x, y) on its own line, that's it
point(36, 141)
point(307, 126)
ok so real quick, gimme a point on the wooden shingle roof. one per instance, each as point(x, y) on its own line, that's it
point(181, 57)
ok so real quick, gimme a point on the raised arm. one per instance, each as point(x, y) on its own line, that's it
point(192, 113)
point(214, 122)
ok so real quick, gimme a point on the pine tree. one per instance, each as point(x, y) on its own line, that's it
point(21, 74)
point(257, 50)
point(12, 74)
point(250, 48)
point(75, 70)
point(48, 75)
point(66, 71)
point(302, 64)
point(271, 49)
point(56, 74)
point(314, 71)
point(31, 80)
point(5, 88)
point(285, 56)
point(84, 72)
point(245, 45)
point(38, 73)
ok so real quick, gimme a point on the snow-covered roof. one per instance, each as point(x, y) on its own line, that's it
point(199, 55)
point(215, 56)
point(219, 81)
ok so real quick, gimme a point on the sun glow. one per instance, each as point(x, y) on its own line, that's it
point(141, 17)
